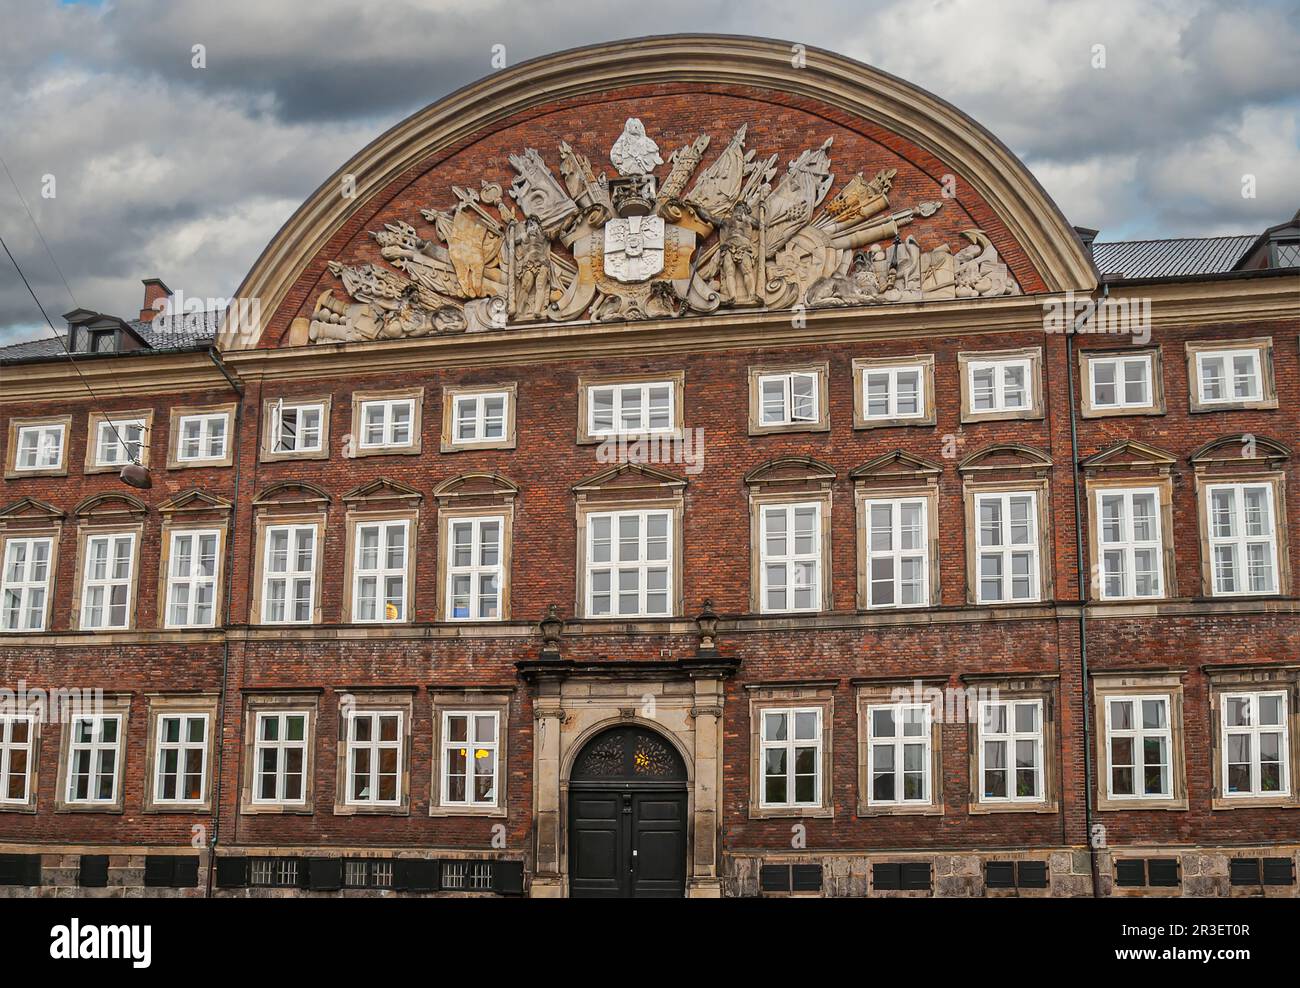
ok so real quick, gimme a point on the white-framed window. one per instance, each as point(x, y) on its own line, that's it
point(280, 757)
point(898, 552)
point(118, 442)
point(470, 757)
point(1256, 749)
point(379, 571)
point(25, 584)
point(1228, 376)
point(181, 758)
point(202, 437)
point(297, 428)
point(94, 758)
point(629, 563)
point(40, 447)
point(1006, 531)
point(386, 422)
point(790, 756)
point(791, 562)
point(787, 399)
point(106, 583)
point(898, 754)
point(479, 417)
point(473, 576)
point(1121, 382)
point(192, 579)
point(1243, 539)
point(624, 409)
point(1128, 540)
point(1139, 745)
point(17, 733)
point(1011, 751)
point(289, 574)
point(374, 757)
point(1001, 385)
point(893, 392)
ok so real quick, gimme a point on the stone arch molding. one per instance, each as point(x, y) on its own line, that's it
point(669, 271)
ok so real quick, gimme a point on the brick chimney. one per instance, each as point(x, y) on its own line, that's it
point(154, 290)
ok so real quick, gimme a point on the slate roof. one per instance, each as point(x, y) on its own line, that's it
point(1171, 258)
point(186, 331)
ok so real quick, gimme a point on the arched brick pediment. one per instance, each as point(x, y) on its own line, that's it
point(833, 160)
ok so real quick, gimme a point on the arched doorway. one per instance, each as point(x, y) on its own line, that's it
point(627, 817)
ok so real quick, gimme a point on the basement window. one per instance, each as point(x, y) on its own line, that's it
point(274, 872)
point(467, 876)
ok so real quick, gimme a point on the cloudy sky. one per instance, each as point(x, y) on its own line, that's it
point(163, 169)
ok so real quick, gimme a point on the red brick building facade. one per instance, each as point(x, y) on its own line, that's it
point(993, 608)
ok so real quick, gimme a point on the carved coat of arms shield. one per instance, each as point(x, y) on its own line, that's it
point(634, 248)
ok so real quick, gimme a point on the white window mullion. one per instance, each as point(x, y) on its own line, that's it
point(379, 571)
point(17, 734)
point(1007, 539)
point(629, 560)
point(470, 757)
point(25, 584)
point(94, 761)
point(289, 574)
point(790, 565)
point(106, 582)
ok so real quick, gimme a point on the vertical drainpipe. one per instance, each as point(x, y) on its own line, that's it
point(1084, 584)
point(219, 729)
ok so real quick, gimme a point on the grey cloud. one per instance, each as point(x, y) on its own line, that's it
point(185, 174)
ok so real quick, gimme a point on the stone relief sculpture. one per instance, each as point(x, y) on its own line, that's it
point(588, 245)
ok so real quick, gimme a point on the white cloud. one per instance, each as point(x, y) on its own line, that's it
point(185, 174)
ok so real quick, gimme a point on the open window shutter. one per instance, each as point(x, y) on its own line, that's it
point(20, 869)
point(30, 870)
point(1243, 871)
point(806, 878)
point(999, 874)
point(1031, 874)
point(159, 871)
point(304, 873)
point(187, 872)
point(415, 875)
point(232, 873)
point(774, 878)
point(94, 871)
point(508, 877)
point(427, 874)
point(1162, 872)
point(915, 875)
point(887, 877)
point(1131, 872)
point(324, 874)
point(1279, 871)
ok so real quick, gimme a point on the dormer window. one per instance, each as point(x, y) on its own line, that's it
point(102, 341)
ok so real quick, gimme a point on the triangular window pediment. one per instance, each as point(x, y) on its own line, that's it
point(1130, 455)
point(30, 509)
point(194, 501)
point(629, 478)
point(382, 490)
point(896, 466)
